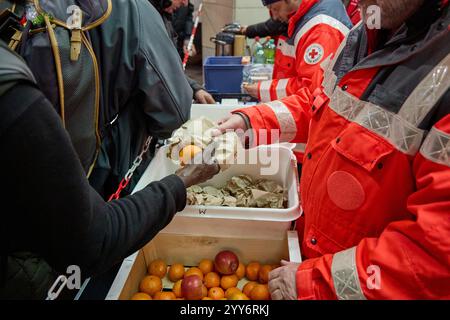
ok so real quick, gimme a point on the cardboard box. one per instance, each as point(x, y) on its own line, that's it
point(191, 249)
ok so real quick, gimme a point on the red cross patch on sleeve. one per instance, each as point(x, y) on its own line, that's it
point(314, 54)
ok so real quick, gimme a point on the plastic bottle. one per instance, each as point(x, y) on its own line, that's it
point(267, 39)
point(258, 54)
point(269, 51)
point(254, 45)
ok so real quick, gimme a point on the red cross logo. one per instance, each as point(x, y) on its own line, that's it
point(313, 54)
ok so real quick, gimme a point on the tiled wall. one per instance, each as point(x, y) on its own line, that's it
point(217, 13)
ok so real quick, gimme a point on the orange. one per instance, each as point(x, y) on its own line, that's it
point(207, 298)
point(238, 296)
point(263, 274)
point(177, 289)
point(249, 287)
point(216, 293)
point(176, 272)
point(206, 266)
point(188, 153)
point(157, 268)
point(240, 272)
point(231, 291)
point(150, 285)
point(167, 295)
point(157, 295)
point(260, 292)
point(252, 270)
point(141, 296)
point(229, 281)
point(204, 291)
point(212, 279)
point(194, 271)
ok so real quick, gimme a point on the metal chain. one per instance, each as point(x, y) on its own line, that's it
point(57, 288)
point(136, 163)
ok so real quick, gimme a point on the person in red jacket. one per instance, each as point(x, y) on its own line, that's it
point(315, 30)
point(375, 187)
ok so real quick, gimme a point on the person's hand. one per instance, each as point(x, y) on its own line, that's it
point(193, 174)
point(203, 97)
point(233, 123)
point(243, 30)
point(283, 283)
point(193, 51)
point(235, 28)
point(252, 89)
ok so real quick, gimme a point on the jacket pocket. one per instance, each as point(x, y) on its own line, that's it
point(362, 147)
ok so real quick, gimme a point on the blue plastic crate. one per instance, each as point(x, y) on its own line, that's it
point(223, 74)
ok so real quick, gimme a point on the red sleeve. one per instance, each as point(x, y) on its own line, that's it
point(411, 258)
point(317, 44)
point(290, 116)
point(286, 120)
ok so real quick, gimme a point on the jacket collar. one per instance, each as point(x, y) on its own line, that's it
point(430, 11)
point(405, 43)
point(303, 9)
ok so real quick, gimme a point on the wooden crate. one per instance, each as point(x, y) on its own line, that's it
point(190, 250)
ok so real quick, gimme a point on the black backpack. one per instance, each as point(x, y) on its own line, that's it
point(52, 37)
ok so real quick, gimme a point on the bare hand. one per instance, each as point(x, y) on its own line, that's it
point(252, 89)
point(203, 97)
point(283, 283)
point(197, 172)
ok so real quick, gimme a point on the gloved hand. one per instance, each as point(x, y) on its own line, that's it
point(252, 89)
point(193, 51)
point(234, 28)
point(233, 123)
point(283, 283)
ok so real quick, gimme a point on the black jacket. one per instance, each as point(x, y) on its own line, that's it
point(183, 22)
point(167, 19)
point(270, 28)
point(49, 208)
point(143, 83)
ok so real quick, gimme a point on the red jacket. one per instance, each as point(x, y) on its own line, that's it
point(375, 186)
point(315, 31)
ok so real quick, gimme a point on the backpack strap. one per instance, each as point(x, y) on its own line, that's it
point(95, 13)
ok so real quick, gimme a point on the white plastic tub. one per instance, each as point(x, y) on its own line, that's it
point(278, 161)
point(213, 112)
